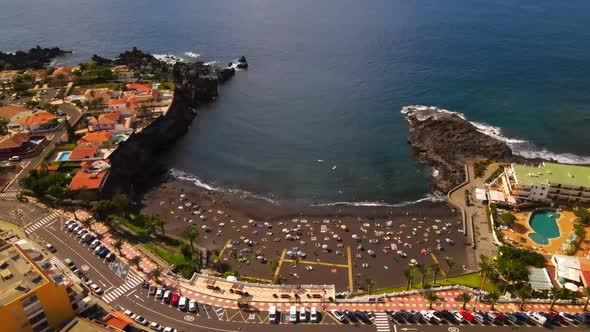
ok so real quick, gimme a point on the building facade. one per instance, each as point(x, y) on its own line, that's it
point(548, 182)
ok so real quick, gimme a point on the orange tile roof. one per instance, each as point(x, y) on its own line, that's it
point(37, 118)
point(96, 137)
point(109, 118)
point(83, 180)
point(53, 167)
point(83, 152)
point(117, 101)
point(117, 320)
point(139, 87)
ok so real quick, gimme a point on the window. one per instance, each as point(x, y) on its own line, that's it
point(75, 306)
point(41, 326)
point(29, 300)
point(37, 318)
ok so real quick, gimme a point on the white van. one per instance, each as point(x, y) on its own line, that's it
point(167, 296)
point(182, 303)
point(302, 314)
point(313, 315)
point(293, 314)
point(272, 314)
point(159, 293)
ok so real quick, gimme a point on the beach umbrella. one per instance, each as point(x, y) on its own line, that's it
point(413, 261)
point(182, 195)
point(344, 227)
point(335, 236)
point(423, 251)
point(300, 253)
point(290, 253)
point(324, 246)
point(229, 246)
point(259, 257)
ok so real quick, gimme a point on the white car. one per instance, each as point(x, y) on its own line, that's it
point(141, 320)
point(96, 289)
point(192, 306)
point(338, 315)
point(313, 315)
point(155, 326)
point(14, 158)
point(130, 314)
point(170, 329)
point(50, 247)
point(94, 243)
point(159, 293)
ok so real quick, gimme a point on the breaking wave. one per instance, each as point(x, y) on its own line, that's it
point(168, 58)
point(435, 197)
point(518, 146)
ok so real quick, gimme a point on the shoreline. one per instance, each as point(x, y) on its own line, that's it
point(232, 216)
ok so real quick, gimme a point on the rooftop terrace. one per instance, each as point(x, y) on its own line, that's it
point(571, 175)
point(18, 276)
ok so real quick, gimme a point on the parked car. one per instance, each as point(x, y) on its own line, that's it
point(155, 326)
point(175, 298)
point(302, 314)
point(141, 320)
point(169, 329)
point(192, 306)
point(569, 318)
point(50, 247)
point(538, 318)
point(478, 317)
point(110, 257)
point(313, 315)
point(350, 316)
point(467, 315)
point(91, 238)
point(130, 314)
point(69, 263)
point(362, 317)
point(103, 253)
point(14, 158)
point(272, 314)
point(152, 290)
point(338, 315)
point(95, 243)
point(159, 293)
point(167, 296)
point(293, 314)
point(458, 317)
point(96, 289)
point(98, 249)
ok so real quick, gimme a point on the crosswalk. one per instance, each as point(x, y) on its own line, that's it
point(131, 282)
point(58, 263)
point(382, 322)
point(8, 194)
point(41, 222)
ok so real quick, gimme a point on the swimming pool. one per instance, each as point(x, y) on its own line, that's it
point(120, 138)
point(544, 223)
point(63, 156)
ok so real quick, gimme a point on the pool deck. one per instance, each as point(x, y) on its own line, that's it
point(565, 224)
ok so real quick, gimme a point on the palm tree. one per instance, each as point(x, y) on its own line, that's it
point(559, 293)
point(370, 285)
point(435, 271)
point(524, 293)
point(432, 298)
point(424, 271)
point(135, 260)
point(87, 223)
point(484, 262)
point(464, 297)
point(156, 273)
point(274, 264)
point(586, 294)
point(410, 274)
point(450, 263)
point(190, 233)
point(118, 244)
point(493, 296)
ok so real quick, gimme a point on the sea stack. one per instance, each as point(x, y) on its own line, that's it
point(242, 63)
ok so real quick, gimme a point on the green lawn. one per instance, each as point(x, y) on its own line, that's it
point(472, 280)
point(169, 257)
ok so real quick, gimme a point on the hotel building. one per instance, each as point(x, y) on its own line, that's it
point(34, 295)
point(548, 182)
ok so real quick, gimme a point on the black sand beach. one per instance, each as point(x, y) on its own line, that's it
point(378, 237)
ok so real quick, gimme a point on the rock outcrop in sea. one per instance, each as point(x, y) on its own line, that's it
point(446, 141)
point(137, 161)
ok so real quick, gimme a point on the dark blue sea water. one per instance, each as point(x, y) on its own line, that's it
point(328, 79)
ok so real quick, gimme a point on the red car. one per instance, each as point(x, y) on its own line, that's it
point(175, 298)
point(501, 317)
point(466, 315)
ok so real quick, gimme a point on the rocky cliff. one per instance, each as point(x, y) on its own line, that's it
point(446, 141)
point(137, 161)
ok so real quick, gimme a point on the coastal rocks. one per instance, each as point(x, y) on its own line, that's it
point(224, 74)
point(242, 63)
point(446, 141)
point(137, 161)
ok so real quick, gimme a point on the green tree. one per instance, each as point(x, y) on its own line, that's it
point(586, 294)
point(524, 293)
point(156, 274)
point(450, 263)
point(118, 244)
point(279, 280)
point(370, 284)
point(493, 296)
point(410, 275)
point(464, 297)
point(559, 293)
point(190, 233)
point(435, 271)
point(273, 264)
point(508, 219)
point(583, 215)
point(135, 260)
point(3, 126)
point(424, 271)
point(486, 269)
point(432, 298)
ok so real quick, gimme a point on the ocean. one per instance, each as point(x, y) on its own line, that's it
point(316, 118)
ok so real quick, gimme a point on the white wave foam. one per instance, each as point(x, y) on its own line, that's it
point(182, 175)
point(518, 146)
point(436, 197)
point(192, 54)
point(168, 58)
point(210, 63)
